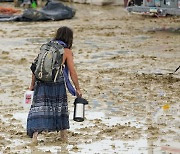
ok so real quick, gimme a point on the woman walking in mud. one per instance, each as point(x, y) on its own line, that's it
point(49, 111)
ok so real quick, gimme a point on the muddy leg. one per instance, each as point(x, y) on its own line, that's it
point(64, 136)
point(34, 138)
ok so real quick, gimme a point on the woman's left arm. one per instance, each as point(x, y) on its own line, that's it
point(73, 74)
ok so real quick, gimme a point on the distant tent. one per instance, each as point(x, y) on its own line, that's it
point(52, 11)
point(8, 11)
point(6, 0)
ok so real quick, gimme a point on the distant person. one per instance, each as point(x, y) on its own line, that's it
point(49, 110)
point(125, 3)
point(26, 3)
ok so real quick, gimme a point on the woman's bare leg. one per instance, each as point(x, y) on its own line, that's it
point(64, 136)
point(34, 138)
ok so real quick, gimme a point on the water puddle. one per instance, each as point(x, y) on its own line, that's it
point(38, 40)
point(173, 30)
point(116, 146)
point(156, 71)
point(144, 144)
point(94, 43)
point(140, 38)
point(104, 54)
point(5, 71)
point(11, 43)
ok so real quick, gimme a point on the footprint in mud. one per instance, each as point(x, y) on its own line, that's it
point(75, 149)
point(8, 115)
point(4, 142)
point(2, 91)
point(20, 61)
point(14, 120)
point(5, 53)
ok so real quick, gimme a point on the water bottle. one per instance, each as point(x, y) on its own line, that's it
point(28, 98)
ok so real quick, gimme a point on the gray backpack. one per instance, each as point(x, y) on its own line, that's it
point(49, 62)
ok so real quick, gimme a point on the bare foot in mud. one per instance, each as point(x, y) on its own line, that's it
point(64, 137)
point(34, 139)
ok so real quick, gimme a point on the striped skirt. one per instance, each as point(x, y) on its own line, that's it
point(49, 110)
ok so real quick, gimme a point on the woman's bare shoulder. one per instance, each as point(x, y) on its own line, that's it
point(68, 52)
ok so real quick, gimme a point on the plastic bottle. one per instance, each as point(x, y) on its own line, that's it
point(28, 99)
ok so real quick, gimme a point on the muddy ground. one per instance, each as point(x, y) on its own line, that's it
point(123, 61)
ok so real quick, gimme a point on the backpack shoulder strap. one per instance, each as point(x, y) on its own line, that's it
point(56, 45)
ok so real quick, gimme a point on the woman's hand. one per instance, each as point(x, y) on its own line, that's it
point(78, 93)
point(31, 88)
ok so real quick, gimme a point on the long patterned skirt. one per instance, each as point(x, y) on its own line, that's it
point(49, 111)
